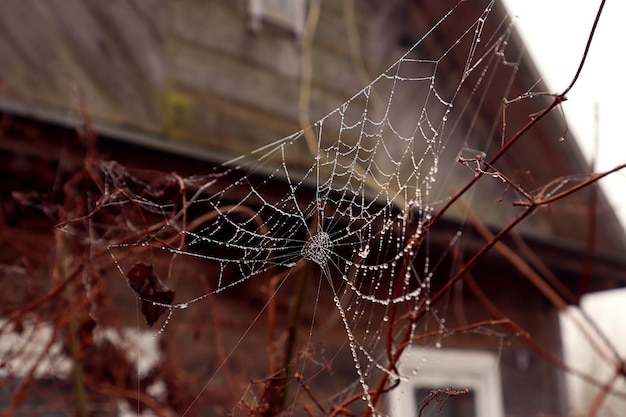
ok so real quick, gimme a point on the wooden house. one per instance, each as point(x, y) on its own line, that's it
point(173, 90)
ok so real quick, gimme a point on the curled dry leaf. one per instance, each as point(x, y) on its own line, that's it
point(155, 297)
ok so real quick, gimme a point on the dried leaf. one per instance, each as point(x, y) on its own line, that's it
point(153, 294)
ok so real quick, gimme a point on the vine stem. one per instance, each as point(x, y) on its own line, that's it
point(63, 264)
point(558, 99)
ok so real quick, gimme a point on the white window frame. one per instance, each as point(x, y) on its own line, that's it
point(441, 368)
point(606, 310)
point(290, 14)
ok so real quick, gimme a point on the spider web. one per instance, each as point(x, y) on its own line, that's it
point(347, 202)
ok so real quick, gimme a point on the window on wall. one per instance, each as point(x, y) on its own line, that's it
point(289, 14)
point(585, 352)
point(447, 383)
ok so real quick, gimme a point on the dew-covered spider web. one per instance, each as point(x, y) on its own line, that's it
point(312, 260)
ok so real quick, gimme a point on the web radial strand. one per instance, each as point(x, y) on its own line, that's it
point(354, 208)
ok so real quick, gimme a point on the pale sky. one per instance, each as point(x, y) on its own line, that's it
point(555, 32)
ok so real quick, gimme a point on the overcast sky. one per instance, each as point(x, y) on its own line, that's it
point(555, 32)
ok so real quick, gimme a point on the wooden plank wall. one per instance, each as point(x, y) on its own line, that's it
point(190, 70)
